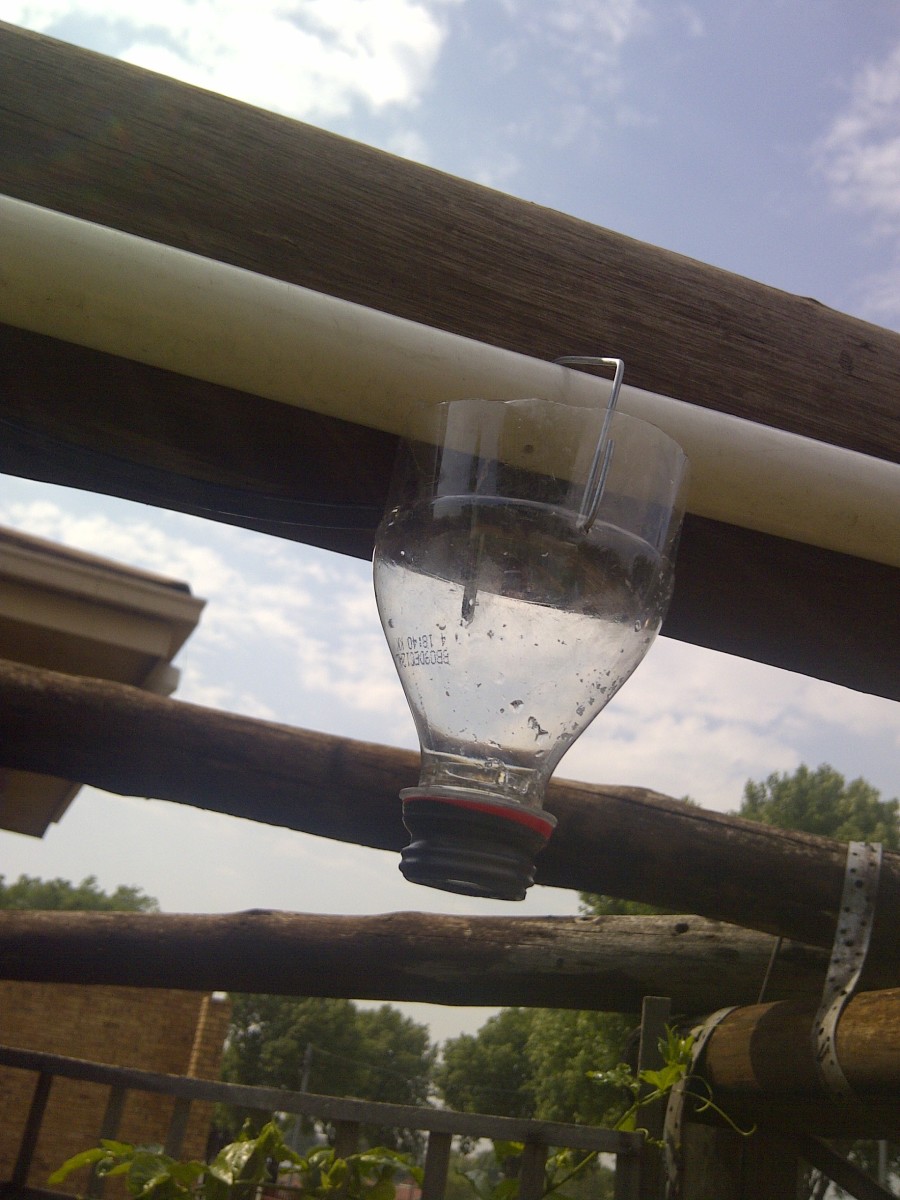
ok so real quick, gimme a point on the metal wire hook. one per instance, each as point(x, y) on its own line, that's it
point(600, 464)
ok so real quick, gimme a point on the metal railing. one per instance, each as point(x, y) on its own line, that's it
point(440, 1125)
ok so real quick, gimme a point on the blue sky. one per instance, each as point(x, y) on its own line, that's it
point(763, 138)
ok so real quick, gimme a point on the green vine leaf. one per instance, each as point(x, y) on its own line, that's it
point(677, 1052)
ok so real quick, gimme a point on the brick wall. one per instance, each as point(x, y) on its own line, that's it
point(175, 1032)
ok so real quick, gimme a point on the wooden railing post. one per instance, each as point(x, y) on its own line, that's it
point(108, 1129)
point(654, 1017)
point(437, 1163)
point(19, 1178)
point(177, 1126)
point(628, 1176)
point(345, 1115)
point(531, 1172)
point(346, 1138)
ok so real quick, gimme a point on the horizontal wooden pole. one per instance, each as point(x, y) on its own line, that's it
point(760, 1065)
point(622, 841)
point(601, 963)
point(209, 174)
point(767, 1048)
point(80, 418)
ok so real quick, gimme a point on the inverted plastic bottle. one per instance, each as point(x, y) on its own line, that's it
point(515, 605)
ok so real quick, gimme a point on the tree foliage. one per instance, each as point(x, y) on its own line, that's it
point(327, 1046)
point(489, 1071)
point(822, 802)
point(611, 906)
point(564, 1046)
point(534, 1063)
point(29, 892)
point(241, 1169)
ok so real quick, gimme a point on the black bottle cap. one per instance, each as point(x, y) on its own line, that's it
point(474, 844)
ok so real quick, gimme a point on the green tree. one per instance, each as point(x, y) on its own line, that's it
point(564, 1045)
point(611, 906)
point(822, 802)
point(401, 1055)
point(489, 1071)
point(535, 1063)
point(326, 1046)
point(32, 893)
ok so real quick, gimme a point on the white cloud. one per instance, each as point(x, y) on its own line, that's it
point(138, 542)
point(283, 606)
point(693, 20)
point(860, 154)
point(860, 159)
point(855, 712)
point(496, 169)
point(313, 59)
point(606, 23)
point(573, 51)
point(407, 143)
point(697, 722)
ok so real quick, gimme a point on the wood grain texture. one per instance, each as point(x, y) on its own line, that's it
point(110, 143)
point(621, 841)
point(103, 140)
point(767, 1048)
point(760, 1065)
point(80, 418)
point(600, 963)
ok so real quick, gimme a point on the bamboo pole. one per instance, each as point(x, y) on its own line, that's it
point(622, 841)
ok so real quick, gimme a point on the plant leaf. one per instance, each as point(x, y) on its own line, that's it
point(86, 1158)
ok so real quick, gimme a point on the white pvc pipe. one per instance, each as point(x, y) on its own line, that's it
point(111, 291)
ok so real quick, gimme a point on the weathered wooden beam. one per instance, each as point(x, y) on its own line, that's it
point(623, 841)
point(760, 1065)
point(847, 1175)
point(106, 141)
point(603, 963)
point(220, 178)
point(766, 1049)
point(80, 418)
